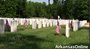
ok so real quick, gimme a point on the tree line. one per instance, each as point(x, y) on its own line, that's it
point(69, 9)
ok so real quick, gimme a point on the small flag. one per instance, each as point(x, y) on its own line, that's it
point(57, 28)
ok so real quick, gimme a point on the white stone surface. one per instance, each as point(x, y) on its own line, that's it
point(50, 22)
point(39, 24)
point(82, 23)
point(54, 22)
point(13, 26)
point(44, 23)
point(67, 29)
point(47, 23)
point(34, 25)
point(75, 25)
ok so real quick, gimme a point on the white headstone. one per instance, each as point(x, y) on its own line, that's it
point(2, 26)
point(22, 21)
point(34, 25)
point(30, 21)
point(50, 23)
point(82, 23)
point(67, 29)
point(44, 23)
point(39, 24)
point(13, 26)
point(47, 23)
point(54, 22)
point(75, 25)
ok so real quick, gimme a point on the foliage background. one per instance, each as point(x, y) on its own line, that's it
point(69, 9)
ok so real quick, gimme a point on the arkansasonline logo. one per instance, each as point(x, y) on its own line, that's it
point(71, 47)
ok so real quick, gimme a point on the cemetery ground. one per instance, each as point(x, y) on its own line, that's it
point(44, 38)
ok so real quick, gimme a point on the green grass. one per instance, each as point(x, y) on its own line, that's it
point(44, 38)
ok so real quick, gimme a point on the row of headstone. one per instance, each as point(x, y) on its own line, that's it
point(37, 23)
point(8, 25)
point(42, 23)
point(22, 21)
point(75, 24)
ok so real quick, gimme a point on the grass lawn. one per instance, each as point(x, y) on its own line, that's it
point(44, 38)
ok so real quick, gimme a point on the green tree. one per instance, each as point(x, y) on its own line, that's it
point(81, 9)
point(10, 6)
point(36, 9)
point(2, 8)
point(30, 9)
point(68, 8)
point(21, 8)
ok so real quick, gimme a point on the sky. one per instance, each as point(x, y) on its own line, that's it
point(46, 1)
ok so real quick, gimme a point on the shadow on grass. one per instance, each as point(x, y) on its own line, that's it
point(84, 28)
point(23, 27)
point(19, 41)
point(63, 34)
